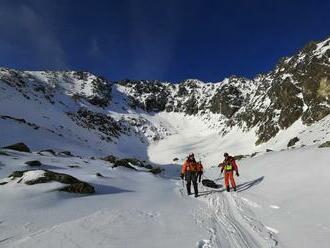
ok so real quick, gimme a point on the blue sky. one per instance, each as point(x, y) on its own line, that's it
point(166, 40)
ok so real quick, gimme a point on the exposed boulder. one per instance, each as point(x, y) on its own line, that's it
point(46, 176)
point(124, 163)
point(2, 153)
point(74, 166)
point(156, 170)
point(21, 147)
point(81, 188)
point(293, 141)
point(47, 152)
point(33, 163)
point(325, 144)
point(131, 163)
point(254, 154)
point(111, 159)
point(66, 153)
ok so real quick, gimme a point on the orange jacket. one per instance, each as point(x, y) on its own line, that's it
point(229, 161)
point(199, 167)
point(189, 166)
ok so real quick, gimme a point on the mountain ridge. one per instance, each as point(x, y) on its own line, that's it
point(297, 90)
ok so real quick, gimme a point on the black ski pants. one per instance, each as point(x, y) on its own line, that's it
point(191, 177)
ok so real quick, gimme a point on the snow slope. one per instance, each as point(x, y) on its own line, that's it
point(130, 209)
point(288, 194)
point(281, 202)
point(191, 134)
point(282, 192)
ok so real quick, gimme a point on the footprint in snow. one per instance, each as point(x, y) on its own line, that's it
point(149, 214)
point(203, 244)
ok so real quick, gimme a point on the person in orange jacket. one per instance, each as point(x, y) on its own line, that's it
point(229, 166)
point(199, 171)
point(189, 172)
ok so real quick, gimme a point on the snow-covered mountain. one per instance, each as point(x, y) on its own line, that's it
point(281, 199)
point(296, 90)
point(89, 114)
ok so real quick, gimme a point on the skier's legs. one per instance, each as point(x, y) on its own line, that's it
point(188, 179)
point(189, 187)
point(232, 180)
point(199, 176)
point(226, 179)
point(194, 181)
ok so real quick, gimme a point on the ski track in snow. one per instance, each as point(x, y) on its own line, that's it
point(230, 226)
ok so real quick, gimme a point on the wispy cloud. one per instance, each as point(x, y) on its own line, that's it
point(94, 50)
point(29, 33)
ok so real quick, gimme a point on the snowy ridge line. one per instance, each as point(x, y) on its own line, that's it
point(252, 107)
point(30, 124)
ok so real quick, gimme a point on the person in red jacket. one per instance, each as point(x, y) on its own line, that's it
point(229, 166)
point(189, 172)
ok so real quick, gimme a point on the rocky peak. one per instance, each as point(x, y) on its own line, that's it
point(297, 89)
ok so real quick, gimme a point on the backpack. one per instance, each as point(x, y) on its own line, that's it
point(193, 166)
point(228, 165)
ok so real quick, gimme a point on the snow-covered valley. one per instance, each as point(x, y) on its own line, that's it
point(102, 162)
point(281, 202)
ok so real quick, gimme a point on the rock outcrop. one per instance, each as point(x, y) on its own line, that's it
point(21, 147)
point(74, 185)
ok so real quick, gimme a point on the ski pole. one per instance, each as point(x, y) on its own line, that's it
point(219, 176)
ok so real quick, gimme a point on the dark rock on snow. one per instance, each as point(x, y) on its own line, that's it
point(66, 153)
point(128, 162)
point(124, 163)
point(325, 144)
point(33, 163)
point(2, 153)
point(293, 141)
point(112, 159)
point(21, 147)
point(50, 151)
point(74, 166)
point(156, 170)
point(74, 184)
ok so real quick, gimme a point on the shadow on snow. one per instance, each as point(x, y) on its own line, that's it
point(241, 187)
point(101, 189)
point(245, 186)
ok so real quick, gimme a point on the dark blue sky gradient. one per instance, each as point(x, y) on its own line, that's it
point(148, 39)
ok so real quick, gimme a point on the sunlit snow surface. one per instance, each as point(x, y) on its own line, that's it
point(281, 197)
